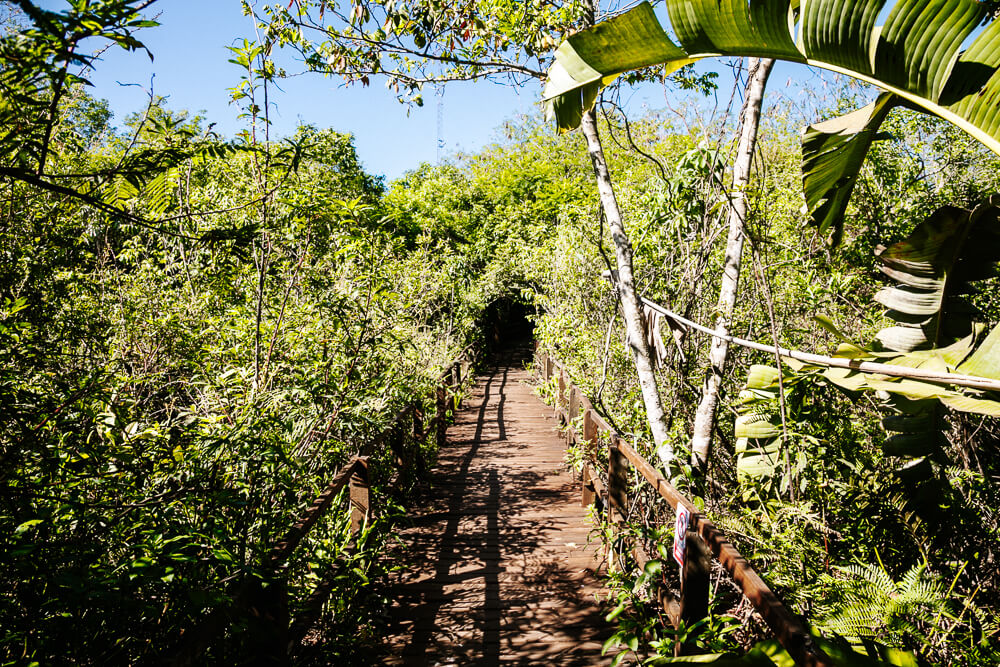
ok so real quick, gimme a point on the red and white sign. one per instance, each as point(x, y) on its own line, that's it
point(680, 534)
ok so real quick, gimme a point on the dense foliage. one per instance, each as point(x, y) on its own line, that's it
point(196, 333)
point(827, 512)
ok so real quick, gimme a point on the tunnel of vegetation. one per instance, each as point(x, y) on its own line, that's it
point(197, 333)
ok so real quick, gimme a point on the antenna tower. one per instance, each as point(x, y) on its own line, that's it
point(439, 92)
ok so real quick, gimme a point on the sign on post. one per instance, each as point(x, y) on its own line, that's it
point(680, 534)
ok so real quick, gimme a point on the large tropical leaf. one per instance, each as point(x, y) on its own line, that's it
point(915, 57)
point(758, 429)
point(934, 269)
point(832, 154)
point(916, 54)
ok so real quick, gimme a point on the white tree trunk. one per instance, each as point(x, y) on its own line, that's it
point(631, 305)
point(704, 421)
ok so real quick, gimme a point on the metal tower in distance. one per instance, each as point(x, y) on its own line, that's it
point(439, 92)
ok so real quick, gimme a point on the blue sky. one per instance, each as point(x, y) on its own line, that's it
point(191, 69)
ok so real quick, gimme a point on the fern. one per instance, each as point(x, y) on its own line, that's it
point(875, 607)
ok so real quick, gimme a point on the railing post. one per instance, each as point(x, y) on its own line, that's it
point(617, 479)
point(695, 579)
point(418, 423)
point(397, 441)
point(586, 486)
point(442, 414)
point(561, 398)
point(360, 496)
point(418, 440)
point(589, 432)
point(617, 493)
point(574, 412)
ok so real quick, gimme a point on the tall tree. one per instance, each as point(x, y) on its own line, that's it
point(628, 295)
point(704, 421)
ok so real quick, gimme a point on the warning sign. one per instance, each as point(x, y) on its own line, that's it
point(680, 534)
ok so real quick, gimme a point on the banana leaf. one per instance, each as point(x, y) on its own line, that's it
point(934, 267)
point(832, 154)
point(915, 57)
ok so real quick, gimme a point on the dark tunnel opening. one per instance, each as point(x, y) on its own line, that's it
point(508, 326)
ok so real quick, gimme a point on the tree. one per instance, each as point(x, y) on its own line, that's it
point(915, 57)
point(704, 421)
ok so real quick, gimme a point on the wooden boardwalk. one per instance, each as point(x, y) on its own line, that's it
point(496, 565)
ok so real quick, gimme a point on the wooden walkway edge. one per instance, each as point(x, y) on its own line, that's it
point(496, 568)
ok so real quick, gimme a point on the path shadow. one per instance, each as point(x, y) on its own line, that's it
point(483, 569)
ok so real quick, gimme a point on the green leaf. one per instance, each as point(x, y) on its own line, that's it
point(756, 458)
point(761, 377)
point(914, 55)
point(932, 267)
point(588, 60)
point(615, 613)
point(845, 378)
point(756, 426)
point(914, 444)
point(825, 322)
point(832, 154)
point(720, 27)
point(985, 361)
point(776, 652)
point(26, 526)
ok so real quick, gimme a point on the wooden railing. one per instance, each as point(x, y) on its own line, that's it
point(703, 538)
point(262, 601)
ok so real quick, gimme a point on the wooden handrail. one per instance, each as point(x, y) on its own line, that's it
point(284, 548)
point(787, 627)
point(271, 607)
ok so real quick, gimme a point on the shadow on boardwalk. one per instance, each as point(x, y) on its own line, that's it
point(496, 569)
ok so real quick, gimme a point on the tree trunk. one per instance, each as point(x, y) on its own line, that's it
point(704, 421)
point(631, 305)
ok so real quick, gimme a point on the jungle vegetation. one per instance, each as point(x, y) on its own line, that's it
point(197, 331)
